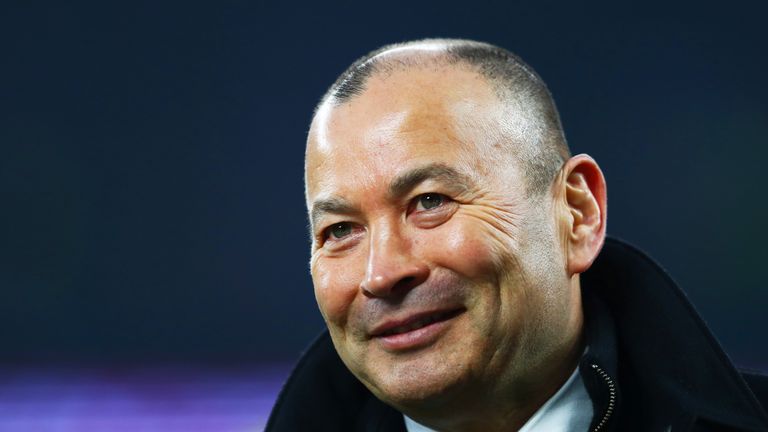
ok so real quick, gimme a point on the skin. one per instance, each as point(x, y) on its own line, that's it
point(419, 204)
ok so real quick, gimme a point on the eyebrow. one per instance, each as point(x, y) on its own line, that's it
point(400, 186)
point(442, 173)
point(333, 205)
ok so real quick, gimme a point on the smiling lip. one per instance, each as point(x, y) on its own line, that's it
point(414, 331)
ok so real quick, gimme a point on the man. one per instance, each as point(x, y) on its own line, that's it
point(452, 238)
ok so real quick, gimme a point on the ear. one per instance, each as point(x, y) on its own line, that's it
point(585, 211)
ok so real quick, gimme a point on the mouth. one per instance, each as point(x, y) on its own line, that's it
point(415, 323)
point(414, 331)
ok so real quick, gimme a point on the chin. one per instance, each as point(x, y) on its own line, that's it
point(422, 380)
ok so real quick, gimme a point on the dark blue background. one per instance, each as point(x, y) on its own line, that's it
point(151, 159)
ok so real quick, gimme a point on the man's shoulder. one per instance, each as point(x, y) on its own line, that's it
point(758, 383)
point(316, 385)
point(667, 349)
point(321, 394)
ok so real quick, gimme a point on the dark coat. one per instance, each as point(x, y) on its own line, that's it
point(652, 364)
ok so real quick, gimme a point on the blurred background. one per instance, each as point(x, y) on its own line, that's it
point(153, 241)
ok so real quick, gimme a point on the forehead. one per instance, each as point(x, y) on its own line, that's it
point(423, 115)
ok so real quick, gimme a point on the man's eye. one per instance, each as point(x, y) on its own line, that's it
point(429, 201)
point(339, 230)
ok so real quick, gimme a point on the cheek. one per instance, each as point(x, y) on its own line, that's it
point(336, 282)
point(464, 247)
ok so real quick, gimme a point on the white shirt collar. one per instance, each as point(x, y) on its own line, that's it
point(568, 410)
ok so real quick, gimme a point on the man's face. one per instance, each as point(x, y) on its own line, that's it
point(437, 275)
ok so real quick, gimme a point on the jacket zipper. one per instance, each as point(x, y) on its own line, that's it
point(611, 397)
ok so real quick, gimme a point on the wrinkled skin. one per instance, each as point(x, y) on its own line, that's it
point(477, 245)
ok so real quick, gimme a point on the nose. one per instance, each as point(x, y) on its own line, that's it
point(392, 269)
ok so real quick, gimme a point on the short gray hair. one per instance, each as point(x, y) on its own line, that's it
point(513, 79)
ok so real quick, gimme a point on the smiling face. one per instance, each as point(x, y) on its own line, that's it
point(443, 284)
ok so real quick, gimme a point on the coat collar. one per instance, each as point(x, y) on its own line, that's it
point(665, 343)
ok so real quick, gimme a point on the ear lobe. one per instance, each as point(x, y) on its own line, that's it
point(585, 199)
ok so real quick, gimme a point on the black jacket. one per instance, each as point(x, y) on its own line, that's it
point(652, 365)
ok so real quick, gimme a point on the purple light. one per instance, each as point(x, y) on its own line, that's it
point(146, 399)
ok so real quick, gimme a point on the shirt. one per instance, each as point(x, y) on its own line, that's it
point(568, 410)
